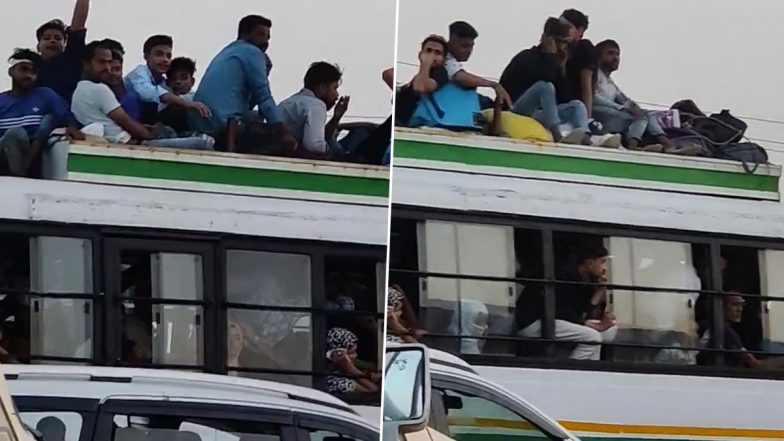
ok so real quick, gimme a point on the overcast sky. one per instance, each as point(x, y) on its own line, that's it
point(357, 34)
point(721, 53)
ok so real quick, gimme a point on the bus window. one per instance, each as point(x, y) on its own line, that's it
point(468, 307)
point(54, 426)
point(268, 331)
point(473, 418)
point(37, 327)
point(157, 332)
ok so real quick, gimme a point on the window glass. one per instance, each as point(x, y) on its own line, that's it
point(54, 426)
point(143, 428)
point(473, 418)
point(264, 278)
point(326, 435)
point(32, 325)
point(467, 307)
point(161, 333)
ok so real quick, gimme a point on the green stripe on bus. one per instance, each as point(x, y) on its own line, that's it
point(227, 175)
point(585, 166)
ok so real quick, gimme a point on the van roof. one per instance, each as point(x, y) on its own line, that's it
point(440, 360)
point(102, 382)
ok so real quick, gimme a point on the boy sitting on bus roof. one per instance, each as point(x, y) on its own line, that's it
point(305, 112)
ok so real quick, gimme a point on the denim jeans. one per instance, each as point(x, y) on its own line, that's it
point(619, 121)
point(167, 137)
point(539, 102)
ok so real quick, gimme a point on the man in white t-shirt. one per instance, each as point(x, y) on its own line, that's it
point(94, 104)
point(460, 46)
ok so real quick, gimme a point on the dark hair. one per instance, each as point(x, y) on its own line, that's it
point(157, 40)
point(554, 27)
point(182, 64)
point(114, 45)
point(89, 50)
point(55, 24)
point(576, 18)
point(591, 251)
point(322, 72)
point(435, 39)
point(606, 44)
point(26, 54)
point(462, 29)
point(249, 23)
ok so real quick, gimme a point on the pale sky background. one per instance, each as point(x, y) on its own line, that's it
point(720, 53)
point(359, 35)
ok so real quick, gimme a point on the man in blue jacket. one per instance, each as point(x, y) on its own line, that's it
point(235, 82)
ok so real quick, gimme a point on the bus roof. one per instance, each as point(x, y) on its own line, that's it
point(214, 192)
point(479, 174)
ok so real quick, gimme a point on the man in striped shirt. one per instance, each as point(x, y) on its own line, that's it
point(28, 114)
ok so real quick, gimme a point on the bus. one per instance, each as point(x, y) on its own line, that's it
point(483, 226)
point(217, 262)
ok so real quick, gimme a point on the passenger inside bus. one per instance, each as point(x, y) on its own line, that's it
point(346, 377)
point(401, 319)
point(580, 314)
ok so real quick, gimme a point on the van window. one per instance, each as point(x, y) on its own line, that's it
point(473, 418)
point(172, 428)
point(54, 426)
point(326, 435)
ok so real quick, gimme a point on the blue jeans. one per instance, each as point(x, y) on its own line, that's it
point(539, 102)
point(619, 121)
point(167, 137)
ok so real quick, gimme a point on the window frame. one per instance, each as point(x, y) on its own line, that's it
point(86, 407)
point(548, 227)
point(173, 407)
point(443, 383)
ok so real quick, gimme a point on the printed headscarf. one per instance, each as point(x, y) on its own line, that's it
point(394, 298)
point(340, 338)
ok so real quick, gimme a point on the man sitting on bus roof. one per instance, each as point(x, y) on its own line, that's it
point(576, 306)
point(460, 46)
point(536, 82)
point(305, 112)
point(235, 81)
point(430, 76)
point(28, 114)
point(617, 112)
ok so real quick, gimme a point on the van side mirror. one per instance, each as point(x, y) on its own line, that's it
point(406, 389)
point(34, 432)
point(452, 402)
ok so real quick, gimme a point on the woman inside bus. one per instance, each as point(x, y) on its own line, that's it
point(246, 349)
point(471, 319)
point(401, 320)
point(347, 377)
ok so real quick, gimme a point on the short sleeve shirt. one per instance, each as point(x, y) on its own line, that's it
point(452, 66)
point(92, 103)
point(583, 57)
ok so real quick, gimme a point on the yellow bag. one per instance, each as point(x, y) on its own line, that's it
point(520, 127)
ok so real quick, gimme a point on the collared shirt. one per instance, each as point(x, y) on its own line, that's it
point(608, 93)
point(62, 72)
point(452, 66)
point(149, 87)
point(306, 117)
point(235, 78)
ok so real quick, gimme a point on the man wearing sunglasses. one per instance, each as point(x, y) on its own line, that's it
point(61, 47)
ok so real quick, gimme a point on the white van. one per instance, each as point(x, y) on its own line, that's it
point(466, 407)
point(85, 403)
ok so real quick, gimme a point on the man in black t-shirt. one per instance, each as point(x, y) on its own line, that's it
point(582, 63)
point(733, 314)
point(429, 78)
point(61, 48)
point(537, 84)
point(579, 309)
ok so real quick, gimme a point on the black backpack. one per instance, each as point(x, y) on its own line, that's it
point(720, 128)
